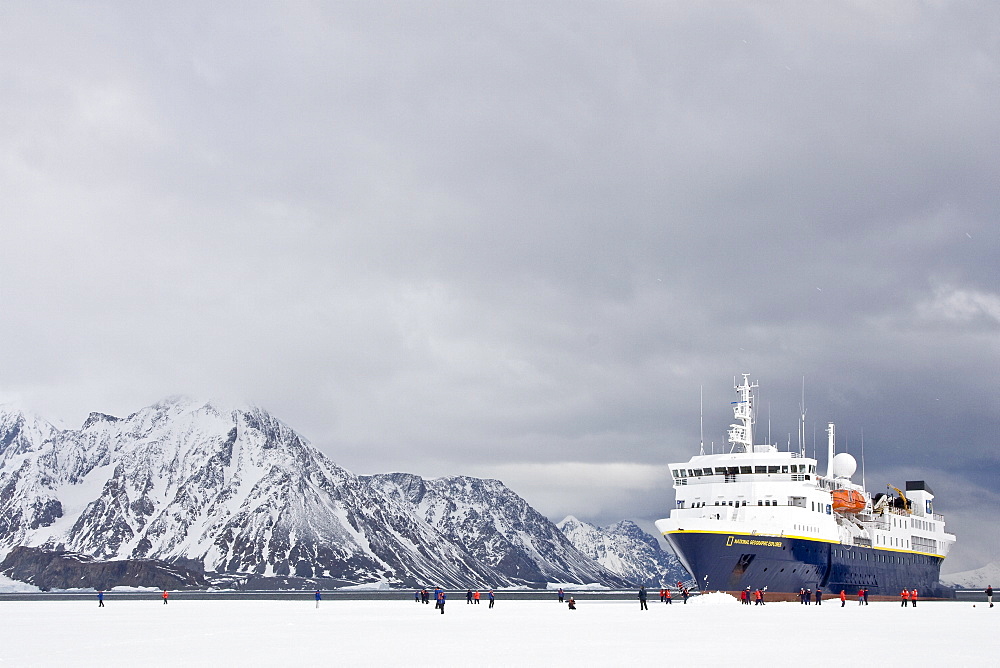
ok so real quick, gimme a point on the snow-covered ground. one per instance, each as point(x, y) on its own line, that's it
point(713, 631)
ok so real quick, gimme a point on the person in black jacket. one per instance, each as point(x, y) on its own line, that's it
point(642, 599)
point(989, 595)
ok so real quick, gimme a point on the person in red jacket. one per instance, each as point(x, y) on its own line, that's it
point(165, 596)
point(843, 598)
point(913, 598)
point(905, 596)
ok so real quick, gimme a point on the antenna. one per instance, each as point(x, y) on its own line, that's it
point(701, 418)
point(802, 420)
point(862, 457)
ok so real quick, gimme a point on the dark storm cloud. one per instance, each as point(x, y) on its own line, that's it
point(514, 240)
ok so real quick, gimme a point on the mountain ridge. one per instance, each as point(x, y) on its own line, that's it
point(625, 549)
point(235, 490)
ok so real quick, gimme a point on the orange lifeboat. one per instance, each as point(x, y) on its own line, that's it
point(848, 501)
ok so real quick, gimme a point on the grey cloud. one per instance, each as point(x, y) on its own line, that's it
point(444, 237)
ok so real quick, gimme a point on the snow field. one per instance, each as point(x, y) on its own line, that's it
point(707, 632)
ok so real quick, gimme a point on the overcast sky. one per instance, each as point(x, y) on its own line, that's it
point(516, 239)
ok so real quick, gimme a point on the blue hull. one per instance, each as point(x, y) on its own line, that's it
point(737, 561)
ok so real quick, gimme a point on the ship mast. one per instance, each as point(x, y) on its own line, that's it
point(701, 417)
point(741, 435)
point(830, 448)
point(802, 420)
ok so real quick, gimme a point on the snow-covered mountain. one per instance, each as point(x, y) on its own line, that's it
point(980, 578)
point(626, 550)
point(495, 526)
point(232, 489)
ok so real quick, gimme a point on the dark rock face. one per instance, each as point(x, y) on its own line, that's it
point(496, 527)
point(627, 550)
point(59, 569)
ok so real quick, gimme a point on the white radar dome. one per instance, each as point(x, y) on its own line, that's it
point(844, 465)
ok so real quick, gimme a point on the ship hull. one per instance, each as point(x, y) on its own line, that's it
point(735, 561)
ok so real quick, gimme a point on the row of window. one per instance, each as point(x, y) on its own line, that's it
point(892, 541)
point(816, 507)
point(734, 470)
point(864, 555)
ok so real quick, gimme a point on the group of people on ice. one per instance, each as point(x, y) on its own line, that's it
point(570, 604)
point(473, 597)
point(665, 595)
point(862, 597)
point(806, 596)
point(100, 598)
point(756, 596)
point(441, 597)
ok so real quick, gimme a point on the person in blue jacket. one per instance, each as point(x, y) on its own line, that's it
point(642, 598)
point(442, 597)
point(100, 599)
point(319, 598)
point(492, 597)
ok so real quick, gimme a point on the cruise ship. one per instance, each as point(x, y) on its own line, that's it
point(758, 517)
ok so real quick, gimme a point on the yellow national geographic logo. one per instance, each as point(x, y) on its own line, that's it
point(759, 542)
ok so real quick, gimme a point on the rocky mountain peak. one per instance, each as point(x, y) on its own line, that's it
point(236, 490)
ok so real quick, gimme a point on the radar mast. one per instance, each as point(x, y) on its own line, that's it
point(741, 435)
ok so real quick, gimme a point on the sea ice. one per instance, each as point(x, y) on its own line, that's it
point(708, 631)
